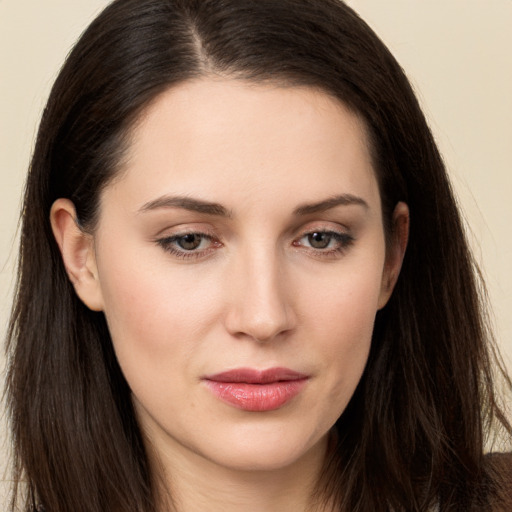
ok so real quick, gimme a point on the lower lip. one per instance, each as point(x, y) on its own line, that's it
point(256, 397)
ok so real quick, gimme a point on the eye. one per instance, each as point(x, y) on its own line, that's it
point(186, 245)
point(190, 241)
point(319, 239)
point(325, 242)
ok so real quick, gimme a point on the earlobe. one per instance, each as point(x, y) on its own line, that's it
point(77, 251)
point(395, 252)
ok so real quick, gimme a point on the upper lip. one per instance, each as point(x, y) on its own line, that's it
point(254, 376)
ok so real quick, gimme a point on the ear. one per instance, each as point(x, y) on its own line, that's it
point(77, 250)
point(395, 252)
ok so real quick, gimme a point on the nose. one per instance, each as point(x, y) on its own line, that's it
point(260, 308)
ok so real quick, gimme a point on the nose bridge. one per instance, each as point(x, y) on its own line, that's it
point(260, 307)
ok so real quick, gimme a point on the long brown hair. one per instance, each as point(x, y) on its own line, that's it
point(414, 431)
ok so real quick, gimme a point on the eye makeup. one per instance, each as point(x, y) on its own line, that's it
point(325, 243)
point(194, 244)
point(189, 244)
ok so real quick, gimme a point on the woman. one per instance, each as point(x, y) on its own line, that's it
point(244, 283)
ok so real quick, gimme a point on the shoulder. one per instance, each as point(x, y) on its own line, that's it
point(498, 467)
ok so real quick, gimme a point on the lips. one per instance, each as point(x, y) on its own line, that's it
point(256, 390)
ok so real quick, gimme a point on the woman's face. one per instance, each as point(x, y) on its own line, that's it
point(240, 261)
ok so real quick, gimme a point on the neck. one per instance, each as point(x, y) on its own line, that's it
point(196, 484)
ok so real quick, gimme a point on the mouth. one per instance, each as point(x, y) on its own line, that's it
point(256, 390)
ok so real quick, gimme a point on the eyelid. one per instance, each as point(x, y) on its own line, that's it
point(342, 235)
point(339, 233)
point(332, 232)
point(324, 227)
point(183, 228)
point(167, 243)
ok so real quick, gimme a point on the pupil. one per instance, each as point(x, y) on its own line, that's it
point(189, 242)
point(319, 240)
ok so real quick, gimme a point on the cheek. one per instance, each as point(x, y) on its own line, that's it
point(349, 334)
point(343, 307)
point(342, 319)
point(153, 317)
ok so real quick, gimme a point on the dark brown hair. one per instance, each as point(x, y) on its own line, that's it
point(414, 431)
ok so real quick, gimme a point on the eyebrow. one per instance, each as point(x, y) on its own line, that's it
point(332, 202)
point(209, 208)
point(186, 203)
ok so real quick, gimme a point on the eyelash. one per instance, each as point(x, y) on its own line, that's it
point(169, 244)
point(343, 242)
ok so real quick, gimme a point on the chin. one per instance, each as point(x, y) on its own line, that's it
point(273, 451)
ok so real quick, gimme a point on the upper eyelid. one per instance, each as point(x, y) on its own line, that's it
point(211, 234)
point(169, 245)
point(185, 233)
point(174, 237)
point(322, 228)
point(176, 231)
point(326, 231)
point(337, 234)
point(204, 226)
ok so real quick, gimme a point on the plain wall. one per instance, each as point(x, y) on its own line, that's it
point(456, 52)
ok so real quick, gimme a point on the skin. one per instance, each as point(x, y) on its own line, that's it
point(255, 293)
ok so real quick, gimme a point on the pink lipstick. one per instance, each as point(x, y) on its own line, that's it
point(256, 390)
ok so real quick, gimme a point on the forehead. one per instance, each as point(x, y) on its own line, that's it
point(229, 140)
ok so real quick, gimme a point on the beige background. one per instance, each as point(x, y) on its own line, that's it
point(458, 54)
